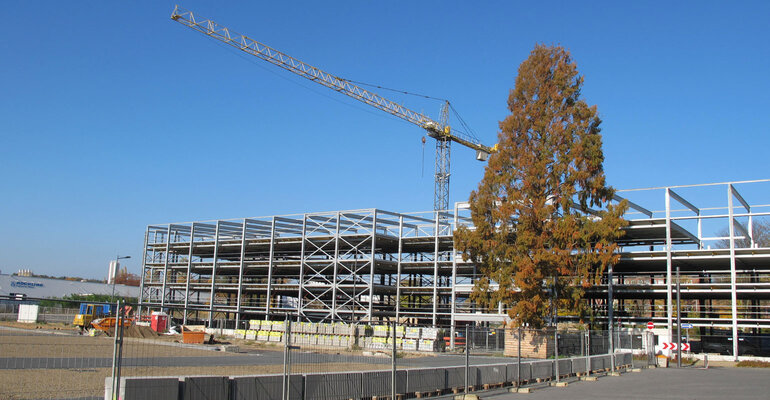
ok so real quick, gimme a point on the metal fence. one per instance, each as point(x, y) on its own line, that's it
point(292, 358)
point(289, 357)
point(49, 358)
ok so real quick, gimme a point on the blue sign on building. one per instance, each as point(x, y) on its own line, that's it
point(26, 285)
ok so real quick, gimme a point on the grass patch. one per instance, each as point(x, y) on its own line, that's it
point(753, 364)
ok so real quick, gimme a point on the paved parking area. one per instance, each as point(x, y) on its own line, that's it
point(661, 383)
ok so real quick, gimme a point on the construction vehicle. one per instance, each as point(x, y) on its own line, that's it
point(90, 312)
point(439, 130)
point(107, 323)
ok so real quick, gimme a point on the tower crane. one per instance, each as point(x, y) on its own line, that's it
point(439, 130)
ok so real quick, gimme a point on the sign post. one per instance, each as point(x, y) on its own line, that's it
point(687, 327)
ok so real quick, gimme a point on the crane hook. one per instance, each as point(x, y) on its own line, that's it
point(422, 171)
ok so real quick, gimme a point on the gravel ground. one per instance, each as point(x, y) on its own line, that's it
point(55, 350)
point(41, 325)
point(26, 384)
point(63, 364)
point(38, 344)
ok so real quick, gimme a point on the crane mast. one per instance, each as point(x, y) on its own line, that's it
point(439, 130)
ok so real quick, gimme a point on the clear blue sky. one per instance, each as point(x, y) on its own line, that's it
point(114, 117)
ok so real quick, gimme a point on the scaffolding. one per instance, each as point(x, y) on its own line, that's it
point(343, 265)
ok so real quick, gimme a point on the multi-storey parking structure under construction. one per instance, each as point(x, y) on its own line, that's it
point(379, 265)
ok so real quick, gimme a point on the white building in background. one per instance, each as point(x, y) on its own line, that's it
point(44, 288)
point(113, 270)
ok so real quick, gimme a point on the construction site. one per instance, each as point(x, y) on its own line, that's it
point(376, 303)
point(378, 265)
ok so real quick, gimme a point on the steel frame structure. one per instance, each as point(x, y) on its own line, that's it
point(374, 264)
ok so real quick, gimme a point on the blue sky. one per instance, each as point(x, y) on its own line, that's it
point(114, 117)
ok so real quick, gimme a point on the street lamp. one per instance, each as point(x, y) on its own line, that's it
point(115, 273)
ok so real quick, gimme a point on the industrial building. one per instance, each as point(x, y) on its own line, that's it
point(379, 265)
point(33, 287)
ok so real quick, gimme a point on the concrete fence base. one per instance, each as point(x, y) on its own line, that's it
point(356, 385)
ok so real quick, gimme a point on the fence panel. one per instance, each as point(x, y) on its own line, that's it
point(53, 362)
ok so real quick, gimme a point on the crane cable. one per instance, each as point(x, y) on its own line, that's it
point(468, 130)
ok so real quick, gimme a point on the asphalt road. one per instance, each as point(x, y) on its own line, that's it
point(660, 383)
point(260, 358)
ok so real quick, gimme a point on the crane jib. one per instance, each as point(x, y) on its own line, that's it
point(437, 130)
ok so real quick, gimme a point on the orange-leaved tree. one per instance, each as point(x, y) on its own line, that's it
point(542, 217)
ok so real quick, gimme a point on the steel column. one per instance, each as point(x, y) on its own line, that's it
point(398, 266)
point(270, 269)
point(733, 275)
point(435, 266)
point(189, 271)
point(241, 266)
point(214, 275)
point(301, 268)
point(335, 267)
point(165, 267)
point(669, 266)
point(371, 267)
point(144, 265)
point(453, 284)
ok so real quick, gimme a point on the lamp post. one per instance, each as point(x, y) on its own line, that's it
point(115, 273)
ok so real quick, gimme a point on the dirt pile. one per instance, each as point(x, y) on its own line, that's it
point(138, 331)
point(135, 331)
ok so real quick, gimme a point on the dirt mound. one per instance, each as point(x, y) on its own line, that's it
point(138, 331)
point(135, 331)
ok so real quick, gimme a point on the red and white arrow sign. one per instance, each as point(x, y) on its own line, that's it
point(674, 346)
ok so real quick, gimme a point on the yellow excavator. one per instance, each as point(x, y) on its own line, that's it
point(97, 316)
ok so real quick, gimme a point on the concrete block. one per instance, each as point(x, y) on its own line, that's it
point(378, 383)
point(542, 369)
point(565, 367)
point(333, 386)
point(512, 371)
point(520, 390)
point(268, 387)
point(425, 380)
point(140, 388)
point(455, 377)
point(590, 379)
point(578, 365)
point(600, 362)
point(206, 388)
point(560, 384)
point(491, 374)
